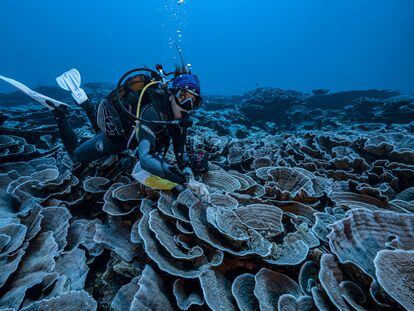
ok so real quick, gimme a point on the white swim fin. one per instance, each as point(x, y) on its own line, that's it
point(48, 102)
point(71, 81)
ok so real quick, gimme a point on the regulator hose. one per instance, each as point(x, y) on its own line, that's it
point(136, 117)
point(118, 88)
point(141, 96)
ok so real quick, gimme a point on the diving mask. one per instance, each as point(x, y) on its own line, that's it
point(188, 100)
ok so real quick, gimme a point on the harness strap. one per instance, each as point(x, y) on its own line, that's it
point(138, 125)
point(131, 137)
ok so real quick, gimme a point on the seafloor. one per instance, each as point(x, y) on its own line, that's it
point(312, 201)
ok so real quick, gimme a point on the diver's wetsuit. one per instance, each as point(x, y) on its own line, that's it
point(153, 140)
point(95, 147)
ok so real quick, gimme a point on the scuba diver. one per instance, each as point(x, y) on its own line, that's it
point(142, 114)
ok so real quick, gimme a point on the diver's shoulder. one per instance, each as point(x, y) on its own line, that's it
point(149, 112)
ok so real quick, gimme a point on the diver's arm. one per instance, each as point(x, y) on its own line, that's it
point(146, 150)
point(179, 140)
point(155, 166)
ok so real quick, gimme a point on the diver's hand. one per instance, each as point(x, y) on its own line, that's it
point(199, 189)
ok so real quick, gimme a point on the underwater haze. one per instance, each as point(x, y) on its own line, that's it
point(234, 46)
point(284, 182)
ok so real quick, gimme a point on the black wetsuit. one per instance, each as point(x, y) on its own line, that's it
point(93, 148)
point(153, 140)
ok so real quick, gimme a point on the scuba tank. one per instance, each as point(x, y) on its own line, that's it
point(120, 110)
point(112, 117)
point(119, 113)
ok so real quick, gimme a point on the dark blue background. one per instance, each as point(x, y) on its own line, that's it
point(233, 45)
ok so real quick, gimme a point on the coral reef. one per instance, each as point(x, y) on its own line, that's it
point(310, 209)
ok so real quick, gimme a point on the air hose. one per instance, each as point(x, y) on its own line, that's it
point(118, 87)
point(129, 114)
point(136, 117)
point(141, 96)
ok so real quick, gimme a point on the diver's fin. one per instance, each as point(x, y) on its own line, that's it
point(71, 81)
point(48, 102)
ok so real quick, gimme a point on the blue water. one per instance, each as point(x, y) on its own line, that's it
point(233, 45)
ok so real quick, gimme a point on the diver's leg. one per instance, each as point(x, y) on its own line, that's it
point(99, 146)
point(69, 138)
point(90, 111)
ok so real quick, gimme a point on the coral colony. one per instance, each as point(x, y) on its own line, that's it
point(311, 208)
